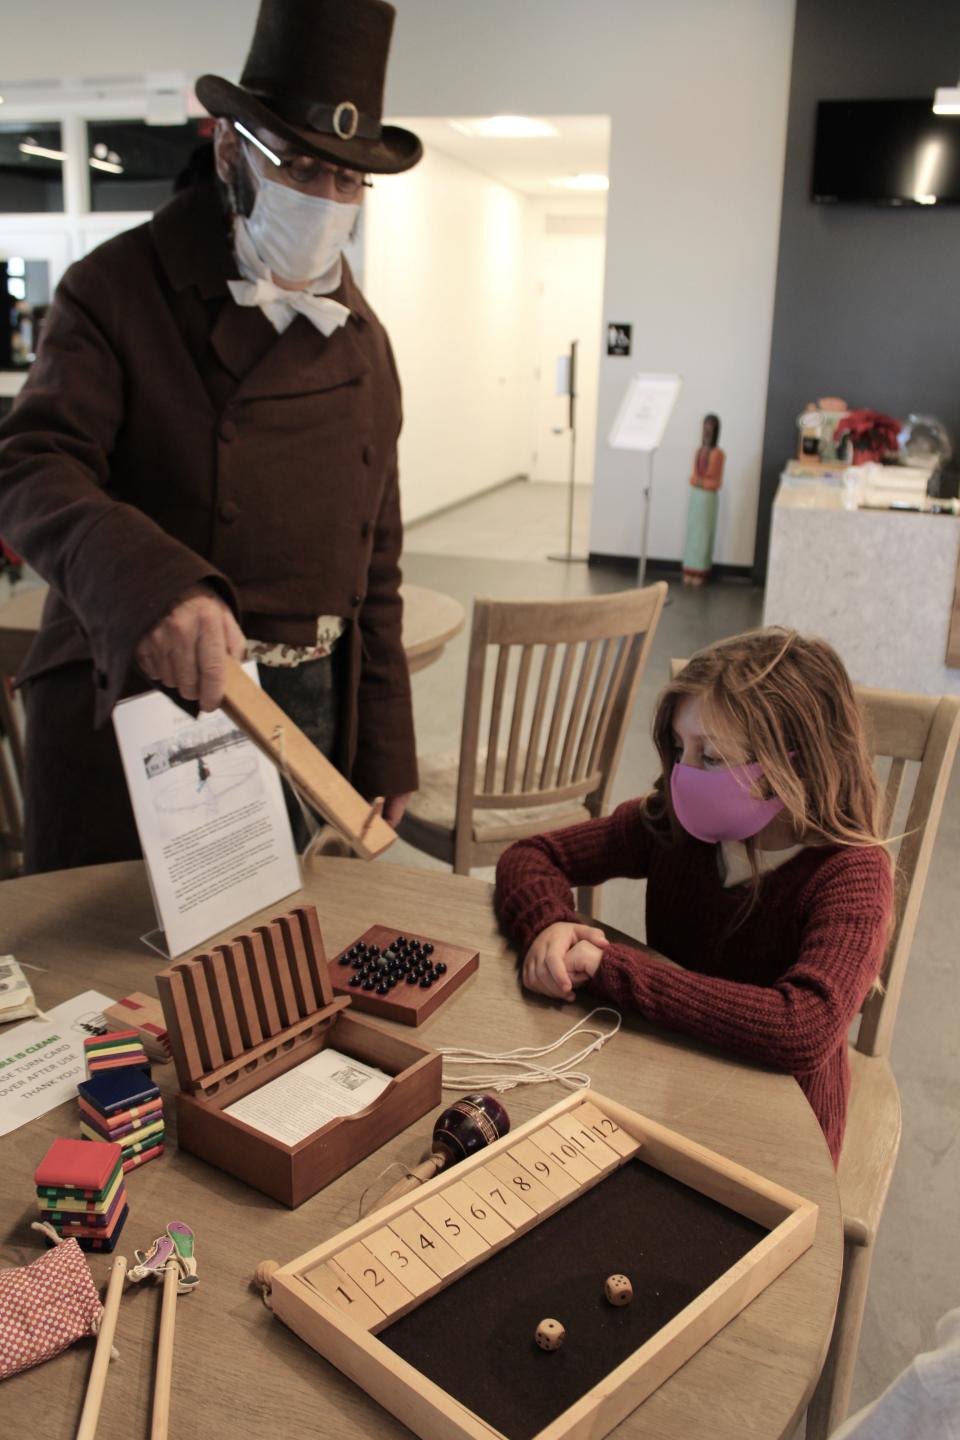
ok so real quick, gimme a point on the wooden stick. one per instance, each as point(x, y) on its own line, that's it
point(101, 1358)
point(164, 1372)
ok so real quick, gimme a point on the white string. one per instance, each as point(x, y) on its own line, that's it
point(524, 1060)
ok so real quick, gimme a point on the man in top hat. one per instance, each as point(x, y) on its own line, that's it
point(203, 461)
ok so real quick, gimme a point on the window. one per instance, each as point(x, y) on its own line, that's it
point(136, 166)
point(31, 168)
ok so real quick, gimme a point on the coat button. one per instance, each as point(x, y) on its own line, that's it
point(357, 600)
point(368, 454)
point(228, 511)
point(228, 430)
point(364, 529)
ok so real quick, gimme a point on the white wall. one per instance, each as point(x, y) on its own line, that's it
point(697, 94)
point(445, 269)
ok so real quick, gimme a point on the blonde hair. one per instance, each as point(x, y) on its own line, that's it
point(789, 702)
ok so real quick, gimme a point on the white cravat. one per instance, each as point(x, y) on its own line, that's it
point(281, 306)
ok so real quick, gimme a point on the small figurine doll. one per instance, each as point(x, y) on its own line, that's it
point(705, 481)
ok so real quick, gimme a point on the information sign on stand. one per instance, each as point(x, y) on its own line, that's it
point(640, 425)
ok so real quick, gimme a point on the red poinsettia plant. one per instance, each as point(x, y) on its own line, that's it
point(872, 434)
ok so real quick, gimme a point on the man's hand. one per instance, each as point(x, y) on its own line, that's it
point(393, 808)
point(562, 956)
point(187, 649)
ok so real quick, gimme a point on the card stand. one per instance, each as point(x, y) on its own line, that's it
point(341, 1295)
point(407, 1004)
point(249, 1010)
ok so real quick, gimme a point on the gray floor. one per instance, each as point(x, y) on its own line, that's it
point(916, 1273)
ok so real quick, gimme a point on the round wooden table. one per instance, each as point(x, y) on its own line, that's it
point(430, 620)
point(238, 1372)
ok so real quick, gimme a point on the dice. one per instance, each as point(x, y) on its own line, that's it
point(550, 1334)
point(618, 1290)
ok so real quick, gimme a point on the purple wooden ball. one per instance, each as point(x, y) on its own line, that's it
point(469, 1125)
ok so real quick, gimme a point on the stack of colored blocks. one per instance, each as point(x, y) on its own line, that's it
point(123, 1105)
point(81, 1192)
point(115, 1051)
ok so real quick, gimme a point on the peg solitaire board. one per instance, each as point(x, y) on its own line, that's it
point(399, 975)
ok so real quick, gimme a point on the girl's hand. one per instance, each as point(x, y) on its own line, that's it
point(582, 962)
point(545, 967)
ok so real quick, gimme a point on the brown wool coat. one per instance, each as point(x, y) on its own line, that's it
point(168, 436)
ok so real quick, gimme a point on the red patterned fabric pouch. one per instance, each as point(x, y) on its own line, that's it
point(45, 1306)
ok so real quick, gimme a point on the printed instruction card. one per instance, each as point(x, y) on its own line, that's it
point(321, 1089)
point(210, 814)
point(41, 1061)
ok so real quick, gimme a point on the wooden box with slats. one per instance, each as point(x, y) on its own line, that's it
point(431, 1303)
point(244, 1013)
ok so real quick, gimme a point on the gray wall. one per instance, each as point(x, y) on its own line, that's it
point(868, 298)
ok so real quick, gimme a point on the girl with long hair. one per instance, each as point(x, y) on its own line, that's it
point(769, 891)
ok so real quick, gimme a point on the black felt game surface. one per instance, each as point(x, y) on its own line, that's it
point(475, 1338)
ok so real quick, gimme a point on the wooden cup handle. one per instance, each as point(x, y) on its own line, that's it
point(420, 1173)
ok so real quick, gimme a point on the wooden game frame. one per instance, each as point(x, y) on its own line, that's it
point(247, 1011)
point(297, 758)
point(430, 1411)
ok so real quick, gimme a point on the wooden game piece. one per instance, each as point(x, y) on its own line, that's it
point(424, 1241)
point(145, 1014)
point(535, 1160)
point(263, 1278)
point(572, 1128)
point(454, 1228)
point(101, 1358)
point(373, 1277)
point(409, 1001)
point(265, 984)
point(618, 1289)
point(336, 1287)
point(466, 1126)
point(327, 791)
point(565, 1155)
point(606, 1129)
point(163, 1373)
point(482, 1218)
point(400, 1260)
point(521, 1183)
point(498, 1193)
point(550, 1335)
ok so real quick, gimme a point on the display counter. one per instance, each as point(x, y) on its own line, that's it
point(878, 584)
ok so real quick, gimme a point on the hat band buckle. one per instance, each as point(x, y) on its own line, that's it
point(346, 119)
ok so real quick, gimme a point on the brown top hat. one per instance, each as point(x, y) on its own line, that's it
point(315, 76)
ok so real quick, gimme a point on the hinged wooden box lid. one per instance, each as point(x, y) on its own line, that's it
point(244, 1013)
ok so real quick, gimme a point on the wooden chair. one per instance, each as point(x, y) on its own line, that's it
point(905, 730)
point(553, 732)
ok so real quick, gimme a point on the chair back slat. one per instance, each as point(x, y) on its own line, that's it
point(590, 651)
point(891, 792)
point(626, 647)
point(547, 773)
point(594, 710)
point(516, 723)
point(496, 711)
point(539, 709)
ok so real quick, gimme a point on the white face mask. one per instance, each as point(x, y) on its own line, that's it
point(299, 237)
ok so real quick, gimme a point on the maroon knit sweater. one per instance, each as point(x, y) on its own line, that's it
point(780, 986)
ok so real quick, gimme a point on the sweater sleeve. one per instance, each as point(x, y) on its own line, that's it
point(796, 1023)
point(535, 877)
point(114, 567)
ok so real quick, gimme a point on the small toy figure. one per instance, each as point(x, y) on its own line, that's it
point(705, 481)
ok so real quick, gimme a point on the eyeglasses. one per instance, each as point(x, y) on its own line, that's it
point(305, 169)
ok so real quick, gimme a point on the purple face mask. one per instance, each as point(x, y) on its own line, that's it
point(715, 805)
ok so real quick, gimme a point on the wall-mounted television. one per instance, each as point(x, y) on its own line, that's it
point(886, 152)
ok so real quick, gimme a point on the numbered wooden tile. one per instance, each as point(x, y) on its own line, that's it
point(579, 1134)
point(424, 1241)
point(565, 1155)
point(400, 1260)
point(606, 1129)
point(496, 1192)
point(483, 1218)
point(454, 1228)
point(336, 1287)
point(533, 1159)
point(374, 1278)
point(518, 1181)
